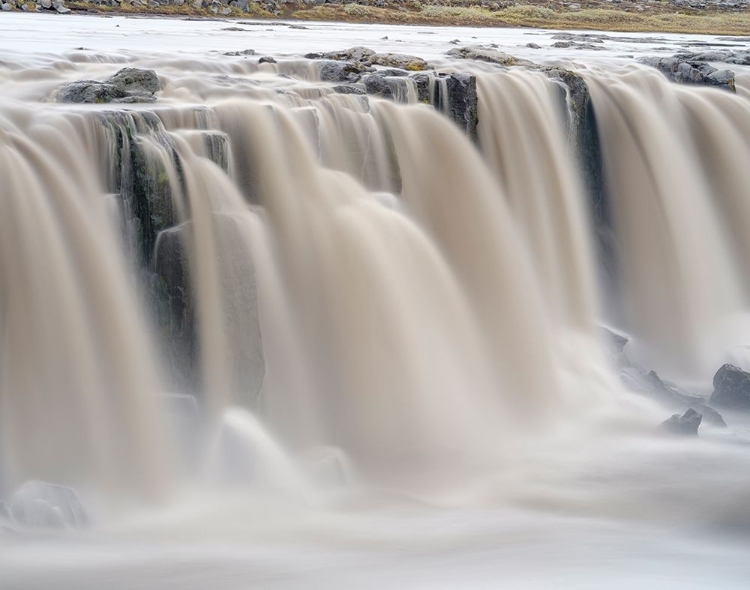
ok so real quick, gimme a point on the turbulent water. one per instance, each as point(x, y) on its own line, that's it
point(273, 336)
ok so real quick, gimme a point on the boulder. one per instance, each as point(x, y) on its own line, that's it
point(129, 85)
point(44, 505)
point(385, 86)
point(731, 388)
point(685, 425)
point(458, 98)
point(91, 91)
point(353, 54)
point(135, 80)
point(410, 63)
point(684, 71)
point(337, 71)
point(349, 89)
point(479, 53)
point(266, 60)
point(5, 7)
point(244, 52)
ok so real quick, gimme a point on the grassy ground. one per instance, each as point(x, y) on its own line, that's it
point(658, 16)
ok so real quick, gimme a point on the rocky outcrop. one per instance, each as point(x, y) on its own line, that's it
point(685, 425)
point(369, 57)
point(731, 388)
point(343, 71)
point(129, 85)
point(456, 95)
point(135, 80)
point(481, 53)
point(686, 71)
point(739, 57)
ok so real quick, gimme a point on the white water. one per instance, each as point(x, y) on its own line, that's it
point(398, 369)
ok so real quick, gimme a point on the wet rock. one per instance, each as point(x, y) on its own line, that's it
point(533, 46)
point(266, 60)
point(44, 505)
point(738, 57)
point(240, 53)
point(479, 53)
point(385, 86)
point(90, 91)
point(731, 388)
point(352, 54)
point(691, 72)
point(423, 82)
point(458, 98)
point(135, 80)
point(129, 85)
point(410, 63)
point(336, 71)
point(350, 89)
point(685, 425)
point(217, 148)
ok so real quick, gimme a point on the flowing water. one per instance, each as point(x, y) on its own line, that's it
point(278, 337)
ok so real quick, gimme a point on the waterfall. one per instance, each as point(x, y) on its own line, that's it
point(354, 273)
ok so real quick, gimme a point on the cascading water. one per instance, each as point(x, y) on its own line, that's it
point(264, 313)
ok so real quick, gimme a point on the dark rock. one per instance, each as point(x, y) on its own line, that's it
point(533, 46)
point(217, 148)
point(244, 52)
point(424, 89)
point(685, 425)
point(691, 72)
point(337, 71)
point(410, 63)
point(352, 54)
point(44, 505)
point(731, 388)
point(479, 53)
point(90, 91)
point(129, 85)
point(135, 80)
point(459, 99)
point(385, 86)
point(349, 89)
point(266, 60)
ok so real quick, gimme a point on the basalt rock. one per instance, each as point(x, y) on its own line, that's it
point(129, 85)
point(684, 71)
point(338, 71)
point(731, 388)
point(393, 87)
point(685, 425)
point(410, 63)
point(458, 98)
point(135, 80)
point(479, 53)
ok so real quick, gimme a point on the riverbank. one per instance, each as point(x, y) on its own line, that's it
point(725, 18)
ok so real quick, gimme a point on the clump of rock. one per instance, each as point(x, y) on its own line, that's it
point(129, 85)
point(731, 388)
point(685, 425)
point(687, 71)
